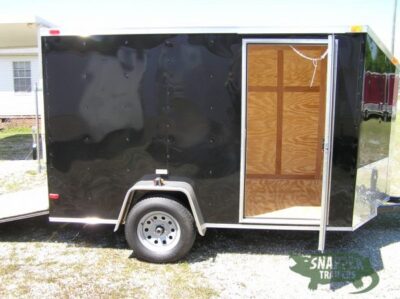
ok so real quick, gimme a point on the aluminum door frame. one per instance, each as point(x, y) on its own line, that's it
point(328, 135)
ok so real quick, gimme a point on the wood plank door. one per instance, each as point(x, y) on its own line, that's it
point(285, 123)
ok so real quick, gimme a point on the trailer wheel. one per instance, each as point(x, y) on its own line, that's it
point(160, 230)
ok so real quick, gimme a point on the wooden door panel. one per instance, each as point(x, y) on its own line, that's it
point(285, 123)
point(262, 61)
point(297, 70)
point(300, 132)
point(261, 130)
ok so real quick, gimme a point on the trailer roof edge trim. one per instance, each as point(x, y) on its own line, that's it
point(207, 29)
point(221, 29)
point(382, 46)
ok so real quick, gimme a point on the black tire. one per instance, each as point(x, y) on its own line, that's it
point(138, 243)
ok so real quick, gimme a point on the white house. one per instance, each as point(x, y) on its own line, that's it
point(19, 65)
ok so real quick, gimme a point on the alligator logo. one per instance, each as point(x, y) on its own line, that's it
point(335, 267)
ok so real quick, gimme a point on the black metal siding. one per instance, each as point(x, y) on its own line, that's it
point(350, 72)
point(120, 106)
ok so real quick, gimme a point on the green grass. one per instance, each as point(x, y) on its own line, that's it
point(394, 168)
point(15, 143)
point(374, 141)
point(184, 283)
point(97, 273)
point(20, 180)
point(374, 146)
point(15, 131)
point(13, 186)
point(31, 172)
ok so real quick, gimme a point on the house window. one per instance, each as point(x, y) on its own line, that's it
point(22, 76)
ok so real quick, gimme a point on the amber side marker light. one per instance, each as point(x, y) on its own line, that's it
point(54, 196)
point(395, 61)
point(356, 28)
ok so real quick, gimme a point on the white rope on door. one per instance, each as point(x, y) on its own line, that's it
point(313, 59)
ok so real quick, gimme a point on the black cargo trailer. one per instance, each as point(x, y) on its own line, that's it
point(173, 131)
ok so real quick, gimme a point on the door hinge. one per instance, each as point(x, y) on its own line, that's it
point(324, 146)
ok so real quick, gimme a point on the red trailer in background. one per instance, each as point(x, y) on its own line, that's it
point(379, 94)
point(393, 84)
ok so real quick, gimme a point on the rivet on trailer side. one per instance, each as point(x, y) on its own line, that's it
point(170, 131)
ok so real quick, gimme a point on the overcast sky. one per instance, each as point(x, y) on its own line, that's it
point(122, 13)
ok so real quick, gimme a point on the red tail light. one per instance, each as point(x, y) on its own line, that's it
point(54, 196)
point(54, 32)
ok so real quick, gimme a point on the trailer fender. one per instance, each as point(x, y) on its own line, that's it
point(167, 186)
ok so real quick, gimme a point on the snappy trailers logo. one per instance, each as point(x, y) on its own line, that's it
point(335, 267)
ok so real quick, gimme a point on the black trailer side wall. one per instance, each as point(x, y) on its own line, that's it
point(349, 87)
point(117, 107)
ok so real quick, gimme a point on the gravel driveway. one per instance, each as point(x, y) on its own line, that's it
point(20, 175)
point(41, 259)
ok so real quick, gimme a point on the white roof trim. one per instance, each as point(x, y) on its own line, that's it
point(205, 29)
point(19, 51)
point(220, 29)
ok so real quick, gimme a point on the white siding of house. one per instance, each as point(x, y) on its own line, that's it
point(12, 103)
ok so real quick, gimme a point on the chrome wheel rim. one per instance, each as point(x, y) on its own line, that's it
point(159, 231)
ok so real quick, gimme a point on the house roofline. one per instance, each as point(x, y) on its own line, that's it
point(24, 19)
